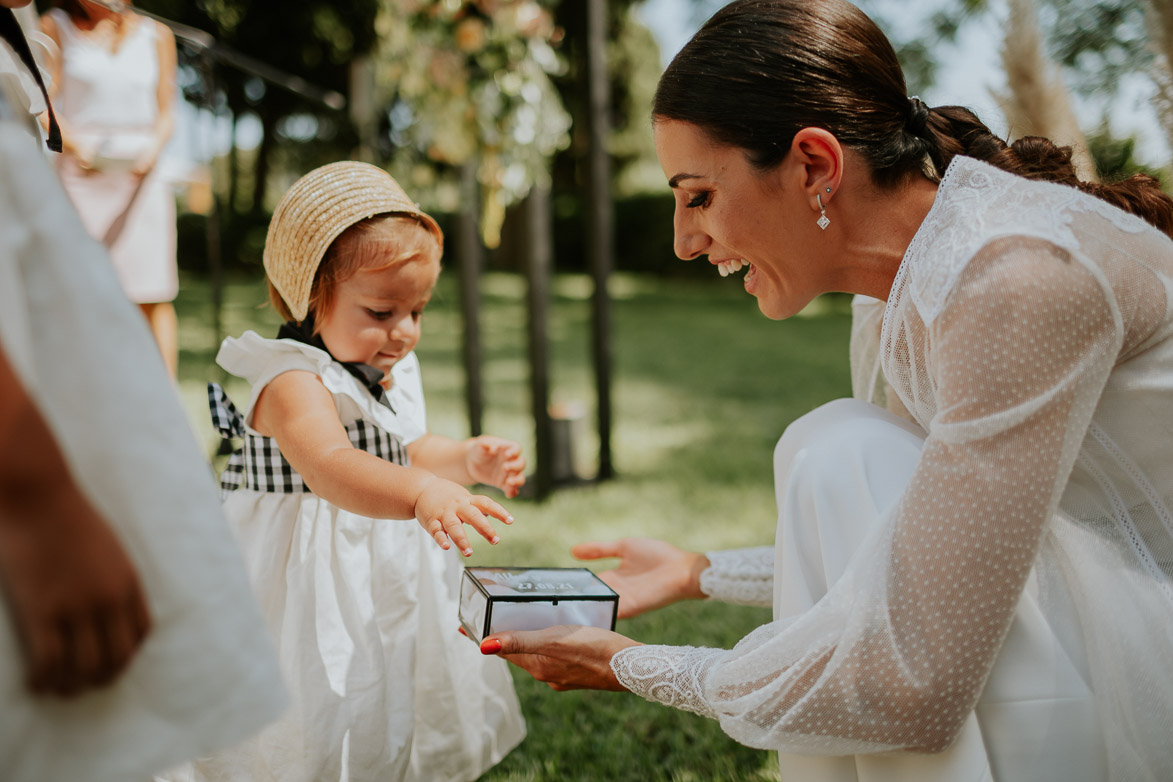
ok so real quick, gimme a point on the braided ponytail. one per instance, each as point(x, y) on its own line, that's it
point(957, 131)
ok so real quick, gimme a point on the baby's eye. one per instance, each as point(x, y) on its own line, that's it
point(380, 314)
point(700, 199)
point(417, 314)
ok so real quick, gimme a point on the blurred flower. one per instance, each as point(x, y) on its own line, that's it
point(476, 76)
point(470, 35)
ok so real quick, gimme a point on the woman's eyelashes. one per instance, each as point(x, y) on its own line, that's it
point(700, 199)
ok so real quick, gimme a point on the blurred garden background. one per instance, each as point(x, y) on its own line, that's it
point(480, 106)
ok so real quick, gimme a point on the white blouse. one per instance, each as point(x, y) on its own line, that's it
point(1027, 333)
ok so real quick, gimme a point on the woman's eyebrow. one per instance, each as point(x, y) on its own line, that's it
point(676, 180)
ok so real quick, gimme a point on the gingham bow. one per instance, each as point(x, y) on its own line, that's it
point(225, 417)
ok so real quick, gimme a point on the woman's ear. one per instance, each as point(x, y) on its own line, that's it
point(820, 159)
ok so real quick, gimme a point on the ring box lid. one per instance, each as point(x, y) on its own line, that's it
point(493, 599)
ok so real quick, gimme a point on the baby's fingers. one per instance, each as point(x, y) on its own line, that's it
point(454, 526)
point(491, 508)
point(435, 528)
point(474, 518)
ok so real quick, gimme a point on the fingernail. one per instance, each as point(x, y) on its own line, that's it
point(494, 539)
point(490, 646)
point(467, 552)
point(509, 520)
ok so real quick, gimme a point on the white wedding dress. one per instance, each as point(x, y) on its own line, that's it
point(993, 601)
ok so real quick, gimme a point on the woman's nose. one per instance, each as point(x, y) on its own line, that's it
point(688, 241)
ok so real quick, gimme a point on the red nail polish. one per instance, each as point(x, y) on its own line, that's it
point(490, 646)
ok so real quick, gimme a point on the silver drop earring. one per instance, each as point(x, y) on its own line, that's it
point(822, 222)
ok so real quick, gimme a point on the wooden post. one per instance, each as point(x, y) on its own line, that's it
point(470, 260)
point(538, 256)
point(600, 231)
point(212, 222)
point(362, 106)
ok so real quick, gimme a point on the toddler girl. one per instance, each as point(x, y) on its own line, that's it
point(336, 463)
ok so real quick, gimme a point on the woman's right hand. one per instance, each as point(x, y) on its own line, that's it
point(651, 573)
point(443, 508)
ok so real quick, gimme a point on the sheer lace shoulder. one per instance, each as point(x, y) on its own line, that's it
point(978, 203)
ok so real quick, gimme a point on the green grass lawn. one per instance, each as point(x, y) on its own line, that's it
point(704, 385)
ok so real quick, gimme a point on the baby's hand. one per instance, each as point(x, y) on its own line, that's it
point(444, 507)
point(496, 462)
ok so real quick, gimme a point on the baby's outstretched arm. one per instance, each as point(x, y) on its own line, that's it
point(493, 461)
point(296, 410)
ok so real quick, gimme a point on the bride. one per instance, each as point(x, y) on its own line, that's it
point(980, 589)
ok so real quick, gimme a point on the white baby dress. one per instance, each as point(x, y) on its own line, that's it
point(364, 612)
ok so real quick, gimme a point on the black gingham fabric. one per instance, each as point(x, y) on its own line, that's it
point(258, 463)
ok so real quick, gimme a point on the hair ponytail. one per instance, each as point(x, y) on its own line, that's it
point(960, 132)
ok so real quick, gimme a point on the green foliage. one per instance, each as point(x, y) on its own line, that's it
point(704, 385)
point(1099, 42)
point(1096, 41)
point(1115, 158)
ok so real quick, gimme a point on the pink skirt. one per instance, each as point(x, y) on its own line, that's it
point(135, 218)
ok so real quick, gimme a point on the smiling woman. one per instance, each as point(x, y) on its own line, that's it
point(984, 588)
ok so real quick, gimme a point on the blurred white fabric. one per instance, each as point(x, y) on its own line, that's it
point(207, 673)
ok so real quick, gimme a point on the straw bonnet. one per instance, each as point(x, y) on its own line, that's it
point(319, 207)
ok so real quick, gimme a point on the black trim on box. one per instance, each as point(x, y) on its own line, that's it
point(613, 598)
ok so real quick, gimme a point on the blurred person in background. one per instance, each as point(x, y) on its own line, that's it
point(113, 83)
point(128, 637)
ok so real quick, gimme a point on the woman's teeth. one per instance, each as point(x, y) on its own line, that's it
point(729, 267)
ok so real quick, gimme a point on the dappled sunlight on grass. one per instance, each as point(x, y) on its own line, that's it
point(703, 387)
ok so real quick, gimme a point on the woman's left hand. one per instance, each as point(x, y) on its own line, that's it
point(146, 161)
point(566, 657)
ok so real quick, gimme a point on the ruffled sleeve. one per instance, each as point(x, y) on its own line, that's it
point(259, 360)
point(898, 652)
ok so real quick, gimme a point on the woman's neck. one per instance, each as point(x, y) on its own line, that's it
point(881, 227)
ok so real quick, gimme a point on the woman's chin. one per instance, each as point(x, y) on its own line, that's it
point(776, 308)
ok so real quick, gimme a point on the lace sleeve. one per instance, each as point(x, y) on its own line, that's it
point(742, 576)
point(867, 382)
point(895, 656)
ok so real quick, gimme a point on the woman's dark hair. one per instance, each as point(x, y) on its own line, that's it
point(761, 70)
point(76, 9)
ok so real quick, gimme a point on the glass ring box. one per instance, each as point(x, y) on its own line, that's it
point(493, 599)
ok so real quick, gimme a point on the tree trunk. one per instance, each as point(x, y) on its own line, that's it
point(362, 107)
point(261, 164)
point(1159, 15)
point(1036, 102)
point(469, 260)
point(538, 261)
point(600, 241)
point(233, 165)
